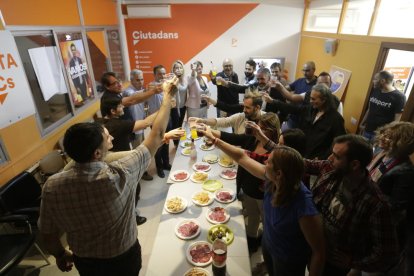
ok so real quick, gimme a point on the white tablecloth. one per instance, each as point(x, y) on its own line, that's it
point(168, 255)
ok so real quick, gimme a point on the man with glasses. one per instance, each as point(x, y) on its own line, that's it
point(113, 89)
point(225, 94)
point(137, 111)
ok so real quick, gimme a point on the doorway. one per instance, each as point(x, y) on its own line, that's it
point(399, 59)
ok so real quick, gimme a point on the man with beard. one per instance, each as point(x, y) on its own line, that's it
point(249, 80)
point(224, 93)
point(357, 219)
point(252, 104)
point(386, 104)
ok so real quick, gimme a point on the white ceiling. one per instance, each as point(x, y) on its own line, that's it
point(291, 3)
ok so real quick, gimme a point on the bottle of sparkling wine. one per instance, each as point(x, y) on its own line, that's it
point(219, 256)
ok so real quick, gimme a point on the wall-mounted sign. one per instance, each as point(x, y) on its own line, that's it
point(15, 96)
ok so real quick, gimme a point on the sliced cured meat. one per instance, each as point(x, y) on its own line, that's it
point(188, 229)
point(201, 253)
point(218, 214)
point(201, 167)
point(180, 176)
point(224, 196)
point(229, 173)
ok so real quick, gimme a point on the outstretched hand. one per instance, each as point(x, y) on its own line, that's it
point(170, 86)
point(65, 262)
point(209, 99)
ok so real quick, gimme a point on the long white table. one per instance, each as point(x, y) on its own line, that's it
point(168, 255)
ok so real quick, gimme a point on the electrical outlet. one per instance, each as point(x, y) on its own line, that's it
point(354, 121)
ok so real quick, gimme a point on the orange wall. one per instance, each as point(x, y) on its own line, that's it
point(99, 12)
point(23, 140)
point(40, 12)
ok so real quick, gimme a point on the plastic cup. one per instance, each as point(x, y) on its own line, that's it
point(194, 133)
point(184, 137)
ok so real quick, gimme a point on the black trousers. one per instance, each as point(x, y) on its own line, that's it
point(162, 157)
point(126, 264)
point(177, 119)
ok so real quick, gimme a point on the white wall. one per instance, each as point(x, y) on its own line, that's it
point(268, 31)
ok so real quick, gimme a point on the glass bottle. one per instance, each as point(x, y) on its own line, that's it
point(193, 152)
point(219, 256)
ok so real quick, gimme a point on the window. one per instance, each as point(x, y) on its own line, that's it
point(99, 55)
point(357, 17)
point(51, 108)
point(323, 16)
point(394, 18)
point(3, 154)
point(115, 53)
point(77, 68)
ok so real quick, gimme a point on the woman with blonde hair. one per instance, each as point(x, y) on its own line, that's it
point(178, 112)
point(293, 232)
point(393, 171)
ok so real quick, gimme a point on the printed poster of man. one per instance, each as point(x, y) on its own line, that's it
point(73, 55)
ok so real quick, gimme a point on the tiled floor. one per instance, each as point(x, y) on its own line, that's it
point(153, 194)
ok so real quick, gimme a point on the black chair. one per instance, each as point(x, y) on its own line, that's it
point(14, 245)
point(21, 196)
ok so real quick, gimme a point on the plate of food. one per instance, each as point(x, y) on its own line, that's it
point(224, 195)
point(226, 162)
point(226, 233)
point(217, 215)
point(186, 151)
point(212, 185)
point(175, 205)
point(199, 253)
point(201, 167)
point(187, 229)
point(199, 177)
point(228, 173)
point(202, 198)
point(207, 147)
point(197, 271)
point(210, 158)
point(179, 175)
point(185, 144)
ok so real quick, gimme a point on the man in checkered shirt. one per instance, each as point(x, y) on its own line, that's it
point(93, 202)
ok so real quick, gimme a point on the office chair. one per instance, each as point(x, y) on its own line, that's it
point(21, 196)
point(14, 245)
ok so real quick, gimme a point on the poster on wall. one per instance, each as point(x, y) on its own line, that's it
point(401, 77)
point(340, 78)
point(16, 102)
point(73, 55)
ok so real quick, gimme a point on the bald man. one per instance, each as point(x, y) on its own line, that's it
point(225, 94)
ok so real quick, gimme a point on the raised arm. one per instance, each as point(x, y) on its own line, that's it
point(143, 124)
point(294, 98)
point(156, 135)
point(141, 97)
point(252, 166)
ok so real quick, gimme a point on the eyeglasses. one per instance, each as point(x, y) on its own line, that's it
point(118, 82)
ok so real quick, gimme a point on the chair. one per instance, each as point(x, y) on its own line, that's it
point(21, 196)
point(14, 245)
point(52, 163)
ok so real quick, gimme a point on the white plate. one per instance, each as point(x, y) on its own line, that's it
point(207, 149)
point(204, 164)
point(226, 166)
point(193, 245)
point(197, 269)
point(210, 200)
point(210, 211)
point(186, 151)
point(198, 181)
point(183, 205)
point(233, 195)
point(185, 144)
point(184, 222)
point(173, 178)
point(222, 175)
point(210, 158)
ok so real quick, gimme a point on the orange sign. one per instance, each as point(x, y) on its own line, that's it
point(191, 28)
point(401, 73)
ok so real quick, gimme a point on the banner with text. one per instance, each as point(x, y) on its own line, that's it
point(16, 101)
point(191, 28)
